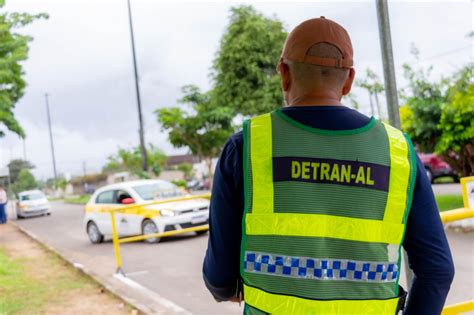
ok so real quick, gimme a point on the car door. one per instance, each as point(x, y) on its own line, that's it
point(104, 202)
point(125, 220)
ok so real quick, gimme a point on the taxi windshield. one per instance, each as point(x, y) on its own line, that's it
point(159, 190)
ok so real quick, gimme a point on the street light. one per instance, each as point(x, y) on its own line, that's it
point(137, 89)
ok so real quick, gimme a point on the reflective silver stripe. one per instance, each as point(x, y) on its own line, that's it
point(320, 268)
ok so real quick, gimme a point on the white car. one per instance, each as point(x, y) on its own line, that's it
point(31, 203)
point(142, 220)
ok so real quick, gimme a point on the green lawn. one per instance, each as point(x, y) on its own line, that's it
point(449, 202)
point(444, 180)
point(24, 291)
point(81, 200)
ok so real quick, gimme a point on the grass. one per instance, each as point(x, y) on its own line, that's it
point(449, 202)
point(25, 289)
point(15, 289)
point(81, 200)
point(444, 180)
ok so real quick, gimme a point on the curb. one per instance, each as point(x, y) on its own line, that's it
point(143, 309)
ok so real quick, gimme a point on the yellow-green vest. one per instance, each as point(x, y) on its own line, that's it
point(325, 214)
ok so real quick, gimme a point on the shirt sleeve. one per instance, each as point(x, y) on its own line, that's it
point(428, 251)
point(221, 263)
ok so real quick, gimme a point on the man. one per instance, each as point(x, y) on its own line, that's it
point(311, 204)
point(3, 205)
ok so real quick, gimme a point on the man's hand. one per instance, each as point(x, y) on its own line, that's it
point(235, 299)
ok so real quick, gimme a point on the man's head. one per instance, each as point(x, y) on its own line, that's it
point(316, 63)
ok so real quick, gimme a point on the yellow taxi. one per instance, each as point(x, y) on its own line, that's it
point(148, 219)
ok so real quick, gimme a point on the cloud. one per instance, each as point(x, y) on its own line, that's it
point(81, 56)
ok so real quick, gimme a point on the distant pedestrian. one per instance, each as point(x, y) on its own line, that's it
point(3, 205)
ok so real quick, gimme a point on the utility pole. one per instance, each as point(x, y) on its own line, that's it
point(372, 110)
point(84, 168)
point(46, 96)
point(137, 89)
point(390, 86)
point(24, 149)
point(388, 66)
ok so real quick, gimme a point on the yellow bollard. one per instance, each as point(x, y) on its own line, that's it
point(116, 242)
point(456, 215)
point(459, 308)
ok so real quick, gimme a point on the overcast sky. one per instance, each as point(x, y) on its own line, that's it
point(81, 56)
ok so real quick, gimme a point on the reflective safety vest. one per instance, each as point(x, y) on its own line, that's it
point(325, 215)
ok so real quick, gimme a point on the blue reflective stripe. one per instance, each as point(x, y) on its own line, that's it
point(320, 268)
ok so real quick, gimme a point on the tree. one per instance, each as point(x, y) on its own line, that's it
point(439, 116)
point(373, 85)
point(26, 181)
point(187, 169)
point(425, 101)
point(244, 71)
point(130, 160)
point(13, 50)
point(456, 143)
point(202, 126)
point(15, 166)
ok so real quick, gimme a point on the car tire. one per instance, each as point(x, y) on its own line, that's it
point(94, 233)
point(429, 174)
point(149, 227)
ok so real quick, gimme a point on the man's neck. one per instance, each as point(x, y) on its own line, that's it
point(314, 101)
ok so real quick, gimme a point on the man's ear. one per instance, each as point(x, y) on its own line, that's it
point(285, 76)
point(348, 84)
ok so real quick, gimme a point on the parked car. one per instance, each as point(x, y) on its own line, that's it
point(32, 203)
point(436, 167)
point(142, 220)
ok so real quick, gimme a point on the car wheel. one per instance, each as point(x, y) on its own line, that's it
point(149, 227)
point(429, 174)
point(94, 233)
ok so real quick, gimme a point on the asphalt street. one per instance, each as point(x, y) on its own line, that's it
point(172, 268)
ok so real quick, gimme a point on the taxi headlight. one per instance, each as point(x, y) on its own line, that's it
point(24, 207)
point(167, 213)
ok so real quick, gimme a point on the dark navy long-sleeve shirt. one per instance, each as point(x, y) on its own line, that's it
point(425, 240)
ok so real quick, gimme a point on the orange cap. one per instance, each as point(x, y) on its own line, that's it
point(314, 31)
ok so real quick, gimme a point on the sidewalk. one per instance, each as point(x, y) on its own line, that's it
point(34, 280)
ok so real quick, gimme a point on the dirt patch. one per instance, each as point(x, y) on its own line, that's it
point(37, 281)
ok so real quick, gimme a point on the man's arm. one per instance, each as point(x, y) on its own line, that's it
point(221, 263)
point(428, 251)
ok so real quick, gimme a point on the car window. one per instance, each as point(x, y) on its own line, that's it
point(32, 196)
point(121, 195)
point(158, 191)
point(105, 197)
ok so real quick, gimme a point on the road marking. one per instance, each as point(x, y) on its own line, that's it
point(136, 273)
point(153, 295)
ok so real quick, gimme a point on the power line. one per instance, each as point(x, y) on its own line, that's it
point(447, 53)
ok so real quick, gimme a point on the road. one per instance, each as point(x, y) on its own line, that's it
point(172, 268)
